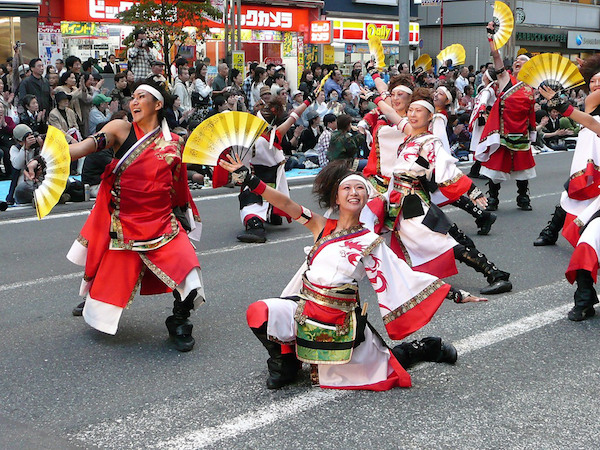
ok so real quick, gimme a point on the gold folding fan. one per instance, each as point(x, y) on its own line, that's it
point(553, 70)
point(423, 62)
point(504, 24)
point(236, 130)
point(325, 78)
point(55, 153)
point(454, 52)
point(376, 49)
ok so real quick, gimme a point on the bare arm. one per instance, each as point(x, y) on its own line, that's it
point(115, 131)
point(277, 199)
point(503, 77)
point(285, 126)
point(592, 101)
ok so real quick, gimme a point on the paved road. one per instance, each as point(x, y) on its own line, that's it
point(526, 376)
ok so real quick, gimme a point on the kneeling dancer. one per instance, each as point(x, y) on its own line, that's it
point(319, 319)
point(133, 237)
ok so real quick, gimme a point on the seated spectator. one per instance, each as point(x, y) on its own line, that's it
point(23, 153)
point(235, 102)
point(7, 125)
point(554, 134)
point(310, 136)
point(460, 139)
point(346, 143)
point(118, 93)
point(322, 147)
point(219, 105)
point(349, 103)
point(32, 116)
point(101, 111)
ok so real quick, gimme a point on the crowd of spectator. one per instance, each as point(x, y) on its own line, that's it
point(71, 96)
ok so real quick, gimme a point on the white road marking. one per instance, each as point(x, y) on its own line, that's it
point(283, 410)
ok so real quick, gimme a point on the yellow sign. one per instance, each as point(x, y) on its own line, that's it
point(238, 60)
point(328, 54)
point(382, 31)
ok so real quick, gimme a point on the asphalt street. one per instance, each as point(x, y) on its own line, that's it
point(526, 376)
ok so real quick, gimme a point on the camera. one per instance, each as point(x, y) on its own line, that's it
point(36, 144)
point(147, 43)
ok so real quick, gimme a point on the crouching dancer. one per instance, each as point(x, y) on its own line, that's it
point(319, 319)
point(133, 237)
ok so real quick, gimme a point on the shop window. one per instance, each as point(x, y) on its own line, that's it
point(272, 51)
point(10, 33)
point(251, 51)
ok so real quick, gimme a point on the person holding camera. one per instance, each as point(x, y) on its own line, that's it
point(139, 56)
point(24, 157)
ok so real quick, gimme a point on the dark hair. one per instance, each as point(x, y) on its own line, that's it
point(136, 33)
point(589, 68)
point(328, 118)
point(168, 97)
point(64, 77)
point(33, 61)
point(253, 66)
point(219, 101)
point(257, 73)
point(328, 180)
point(355, 74)
point(199, 68)
point(234, 73)
point(403, 79)
point(120, 75)
point(70, 61)
point(59, 61)
point(27, 100)
point(344, 92)
point(86, 66)
point(343, 122)
point(314, 66)
point(304, 73)
point(539, 114)
point(278, 75)
point(180, 62)
point(270, 65)
point(424, 94)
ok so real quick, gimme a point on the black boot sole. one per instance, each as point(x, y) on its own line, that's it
point(497, 287)
point(251, 238)
point(525, 207)
point(579, 315)
point(78, 310)
point(183, 344)
point(449, 354)
point(487, 226)
point(540, 242)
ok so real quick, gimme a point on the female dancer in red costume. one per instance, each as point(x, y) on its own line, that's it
point(133, 237)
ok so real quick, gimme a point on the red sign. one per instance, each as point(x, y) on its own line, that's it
point(321, 32)
point(252, 17)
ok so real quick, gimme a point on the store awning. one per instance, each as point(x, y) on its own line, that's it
point(295, 3)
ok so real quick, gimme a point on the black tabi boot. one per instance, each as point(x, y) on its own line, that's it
point(585, 297)
point(474, 172)
point(493, 193)
point(180, 328)
point(483, 219)
point(255, 232)
point(549, 235)
point(427, 349)
point(283, 368)
point(497, 279)
point(523, 201)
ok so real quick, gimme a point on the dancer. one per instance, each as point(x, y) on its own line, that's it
point(266, 161)
point(319, 313)
point(581, 203)
point(443, 97)
point(585, 150)
point(133, 236)
point(486, 97)
point(422, 234)
point(505, 146)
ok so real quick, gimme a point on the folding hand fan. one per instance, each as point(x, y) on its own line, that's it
point(455, 52)
point(325, 78)
point(423, 62)
point(55, 153)
point(552, 69)
point(376, 49)
point(235, 130)
point(503, 24)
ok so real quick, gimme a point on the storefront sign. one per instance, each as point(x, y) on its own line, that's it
point(253, 17)
point(321, 32)
point(585, 40)
point(83, 29)
point(328, 54)
point(541, 37)
point(359, 31)
point(49, 42)
point(238, 60)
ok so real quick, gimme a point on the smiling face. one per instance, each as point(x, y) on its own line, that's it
point(419, 117)
point(33, 106)
point(71, 81)
point(143, 105)
point(351, 196)
point(595, 82)
point(521, 59)
point(439, 98)
point(400, 100)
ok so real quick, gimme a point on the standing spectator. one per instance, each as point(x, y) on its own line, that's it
point(247, 86)
point(467, 101)
point(73, 64)
point(462, 79)
point(237, 89)
point(130, 76)
point(403, 68)
point(139, 56)
point(180, 88)
point(64, 118)
point(78, 96)
point(60, 67)
point(32, 116)
point(334, 83)
point(118, 93)
point(219, 84)
point(7, 125)
point(157, 72)
point(322, 147)
point(317, 71)
point(101, 112)
point(201, 93)
point(270, 74)
point(37, 85)
point(307, 82)
point(260, 75)
point(112, 66)
point(278, 83)
point(7, 100)
point(346, 144)
point(357, 81)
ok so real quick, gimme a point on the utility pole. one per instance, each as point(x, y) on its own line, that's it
point(404, 21)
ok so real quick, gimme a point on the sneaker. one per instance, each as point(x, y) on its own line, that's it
point(255, 232)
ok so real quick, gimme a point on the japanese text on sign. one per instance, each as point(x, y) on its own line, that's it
point(321, 32)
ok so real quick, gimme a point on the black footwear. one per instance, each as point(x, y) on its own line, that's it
point(474, 171)
point(283, 369)
point(549, 235)
point(523, 201)
point(497, 279)
point(3, 206)
point(485, 223)
point(255, 232)
point(497, 287)
point(275, 219)
point(78, 310)
point(493, 193)
point(178, 325)
point(64, 198)
point(428, 349)
point(579, 313)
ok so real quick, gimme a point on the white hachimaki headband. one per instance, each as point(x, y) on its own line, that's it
point(156, 94)
point(447, 93)
point(424, 104)
point(403, 88)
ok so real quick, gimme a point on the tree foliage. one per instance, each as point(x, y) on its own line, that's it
point(164, 20)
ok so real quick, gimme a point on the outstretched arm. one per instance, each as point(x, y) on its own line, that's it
point(503, 77)
point(241, 174)
point(111, 136)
